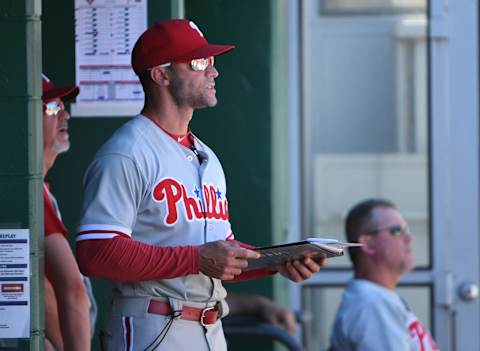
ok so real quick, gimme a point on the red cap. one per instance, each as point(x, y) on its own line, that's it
point(50, 91)
point(172, 41)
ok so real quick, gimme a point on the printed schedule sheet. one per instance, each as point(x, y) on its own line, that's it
point(105, 33)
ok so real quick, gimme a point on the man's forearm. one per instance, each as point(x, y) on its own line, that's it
point(74, 319)
point(52, 325)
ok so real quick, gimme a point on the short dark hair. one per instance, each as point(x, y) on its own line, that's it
point(145, 79)
point(360, 220)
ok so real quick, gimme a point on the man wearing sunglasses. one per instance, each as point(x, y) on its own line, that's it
point(155, 216)
point(372, 316)
point(67, 300)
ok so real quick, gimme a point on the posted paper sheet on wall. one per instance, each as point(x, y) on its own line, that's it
point(14, 283)
point(105, 33)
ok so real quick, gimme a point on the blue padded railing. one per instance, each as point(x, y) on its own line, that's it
point(243, 325)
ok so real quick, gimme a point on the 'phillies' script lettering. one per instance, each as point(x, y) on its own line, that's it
point(174, 193)
point(421, 337)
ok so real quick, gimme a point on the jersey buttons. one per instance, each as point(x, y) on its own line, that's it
point(190, 158)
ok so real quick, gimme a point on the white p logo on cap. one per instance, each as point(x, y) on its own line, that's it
point(194, 26)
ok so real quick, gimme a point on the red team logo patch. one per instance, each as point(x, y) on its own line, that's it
point(174, 194)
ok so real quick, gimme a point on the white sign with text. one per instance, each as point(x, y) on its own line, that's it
point(14, 283)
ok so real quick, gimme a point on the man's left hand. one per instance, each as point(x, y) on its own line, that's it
point(300, 270)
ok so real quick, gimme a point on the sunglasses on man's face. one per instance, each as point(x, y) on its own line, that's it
point(394, 230)
point(201, 64)
point(197, 65)
point(52, 108)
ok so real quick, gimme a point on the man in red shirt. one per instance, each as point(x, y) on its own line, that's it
point(67, 324)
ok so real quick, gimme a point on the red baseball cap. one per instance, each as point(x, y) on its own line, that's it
point(50, 91)
point(172, 41)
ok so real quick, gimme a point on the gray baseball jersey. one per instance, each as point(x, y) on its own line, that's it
point(144, 185)
point(372, 317)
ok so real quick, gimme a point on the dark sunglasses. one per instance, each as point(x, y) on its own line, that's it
point(394, 230)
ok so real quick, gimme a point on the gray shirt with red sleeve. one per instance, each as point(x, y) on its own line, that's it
point(371, 317)
point(145, 186)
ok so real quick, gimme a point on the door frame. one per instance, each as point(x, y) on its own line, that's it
point(454, 139)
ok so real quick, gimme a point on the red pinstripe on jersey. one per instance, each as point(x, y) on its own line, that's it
point(128, 333)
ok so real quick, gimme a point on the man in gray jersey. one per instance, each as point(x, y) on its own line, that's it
point(372, 316)
point(155, 219)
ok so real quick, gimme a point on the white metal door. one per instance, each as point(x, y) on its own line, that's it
point(454, 92)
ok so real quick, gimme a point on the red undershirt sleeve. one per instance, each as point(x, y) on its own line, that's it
point(52, 224)
point(253, 274)
point(127, 260)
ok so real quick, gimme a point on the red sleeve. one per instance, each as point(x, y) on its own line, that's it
point(52, 224)
point(127, 260)
point(253, 274)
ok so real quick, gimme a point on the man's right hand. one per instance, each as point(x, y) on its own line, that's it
point(223, 259)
